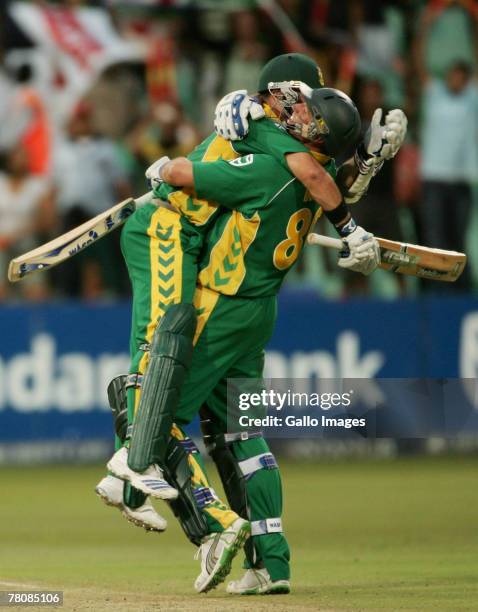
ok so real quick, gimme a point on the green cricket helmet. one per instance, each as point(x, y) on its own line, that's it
point(290, 67)
point(334, 120)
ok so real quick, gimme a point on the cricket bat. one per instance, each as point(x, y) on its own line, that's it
point(79, 238)
point(411, 259)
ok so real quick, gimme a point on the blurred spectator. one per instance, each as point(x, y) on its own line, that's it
point(89, 179)
point(378, 30)
point(14, 119)
point(36, 137)
point(447, 32)
point(328, 27)
point(163, 132)
point(26, 212)
point(86, 169)
point(449, 164)
point(248, 54)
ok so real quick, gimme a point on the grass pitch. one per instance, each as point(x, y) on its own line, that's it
point(367, 535)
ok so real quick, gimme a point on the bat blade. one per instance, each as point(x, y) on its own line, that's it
point(69, 244)
point(421, 261)
point(411, 259)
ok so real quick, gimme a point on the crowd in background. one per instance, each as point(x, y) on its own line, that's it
point(68, 153)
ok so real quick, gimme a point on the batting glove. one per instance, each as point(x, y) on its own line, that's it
point(232, 112)
point(382, 142)
point(153, 173)
point(361, 252)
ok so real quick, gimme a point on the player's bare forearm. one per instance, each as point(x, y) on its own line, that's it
point(178, 172)
point(316, 179)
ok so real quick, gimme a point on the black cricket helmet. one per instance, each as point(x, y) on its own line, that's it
point(334, 122)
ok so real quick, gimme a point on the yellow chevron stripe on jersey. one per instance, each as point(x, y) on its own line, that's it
point(166, 264)
point(166, 260)
point(226, 269)
point(204, 301)
point(185, 201)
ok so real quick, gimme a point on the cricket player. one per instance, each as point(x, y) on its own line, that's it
point(248, 253)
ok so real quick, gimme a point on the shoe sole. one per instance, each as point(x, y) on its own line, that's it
point(106, 499)
point(137, 483)
point(139, 523)
point(224, 564)
point(281, 589)
point(131, 519)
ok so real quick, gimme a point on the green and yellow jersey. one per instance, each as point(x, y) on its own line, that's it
point(250, 249)
point(265, 136)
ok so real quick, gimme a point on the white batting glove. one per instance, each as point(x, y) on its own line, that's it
point(153, 173)
point(382, 142)
point(232, 112)
point(362, 253)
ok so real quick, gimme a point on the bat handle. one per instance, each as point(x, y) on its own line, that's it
point(144, 199)
point(326, 241)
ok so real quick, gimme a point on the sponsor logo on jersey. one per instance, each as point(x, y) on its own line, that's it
point(247, 160)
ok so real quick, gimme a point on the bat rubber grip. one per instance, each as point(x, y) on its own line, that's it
point(326, 241)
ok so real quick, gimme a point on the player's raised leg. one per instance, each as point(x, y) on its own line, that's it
point(163, 277)
point(110, 490)
point(139, 511)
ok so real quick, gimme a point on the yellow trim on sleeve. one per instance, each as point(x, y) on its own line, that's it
point(198, 211)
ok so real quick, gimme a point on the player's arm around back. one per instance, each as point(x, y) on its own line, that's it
point(177, 172)
point(315, 178)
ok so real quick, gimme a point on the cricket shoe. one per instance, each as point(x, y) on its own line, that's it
point(110, 490)
point(258, 582)
point(151, 481)
point(217, 552)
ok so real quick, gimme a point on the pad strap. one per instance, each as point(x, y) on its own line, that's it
point(241, 435)
point(134, 380)
point(270, 525)
point(266, 461)
point(204, 496)
point(189, 446)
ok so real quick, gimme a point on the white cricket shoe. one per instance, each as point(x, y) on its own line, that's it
point(258, 582)
point(217, 552)
point(110, 490)
point(151, 481)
